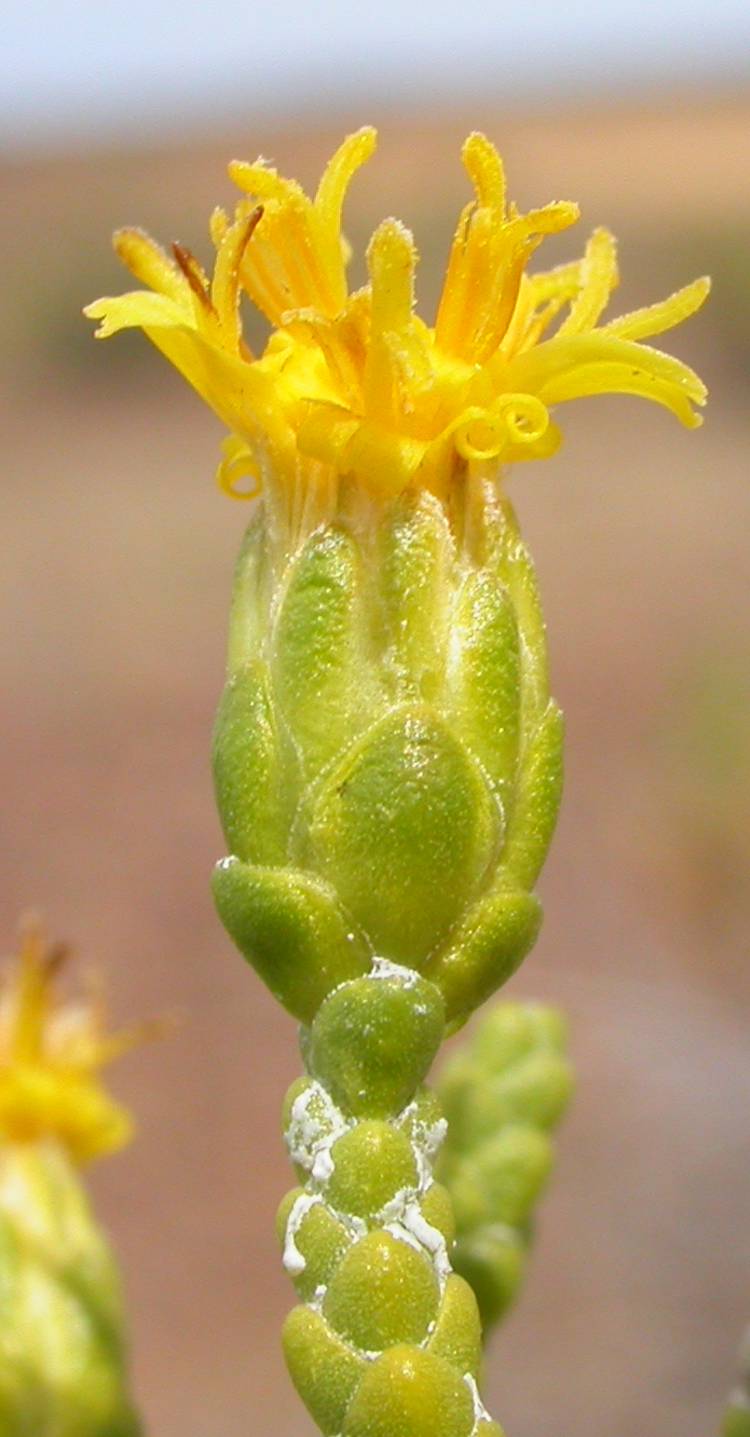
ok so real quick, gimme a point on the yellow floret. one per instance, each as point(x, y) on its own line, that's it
point(356, 385)
point(50, 1057)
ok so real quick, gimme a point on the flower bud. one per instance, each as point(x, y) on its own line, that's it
point(387, 757)
point(62, 1353)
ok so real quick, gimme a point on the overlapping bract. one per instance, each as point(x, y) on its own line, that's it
point(357, 384)
point(387, 756)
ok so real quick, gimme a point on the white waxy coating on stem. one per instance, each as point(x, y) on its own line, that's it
point(315, 1125)
point(402, 1216)
point(310, 1135)
point(427, 1138)
point(323, 1167)
point(480, 1411)
point(293, 1260)
point(384, 968)
point(404, 1220)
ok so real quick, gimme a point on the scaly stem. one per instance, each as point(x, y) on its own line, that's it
point(387, 1339)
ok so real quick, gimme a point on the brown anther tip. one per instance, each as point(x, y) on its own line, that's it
point(192, 272)
point(251, 225)
point(35, 949)
point(56, 956)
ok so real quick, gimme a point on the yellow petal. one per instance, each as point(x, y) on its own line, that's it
point(238, 474)
point(569, 368)
point(138, 309)
point(149, 263)
point(225, 284)
point(656, 318)
point(598, 278)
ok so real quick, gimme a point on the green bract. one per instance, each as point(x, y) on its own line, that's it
point(387, 757)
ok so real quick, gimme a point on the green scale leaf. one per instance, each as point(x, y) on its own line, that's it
point(404, 829)
point(319, 658)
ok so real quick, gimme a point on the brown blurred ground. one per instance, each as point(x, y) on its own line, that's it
point(113, 590)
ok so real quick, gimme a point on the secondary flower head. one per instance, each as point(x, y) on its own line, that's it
point(51, 1053)
point(356, 384)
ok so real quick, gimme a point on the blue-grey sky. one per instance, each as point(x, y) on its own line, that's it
point(82, 70)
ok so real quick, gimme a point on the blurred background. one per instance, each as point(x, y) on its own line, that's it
point(114, 583)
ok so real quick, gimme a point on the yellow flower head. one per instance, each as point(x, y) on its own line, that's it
point(50, 1056)
point(357, 384)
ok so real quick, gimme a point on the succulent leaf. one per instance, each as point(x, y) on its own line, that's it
point(503, 1095)
point(290, 927)
point(318, 634)
point(407, 806)
point(254, 769)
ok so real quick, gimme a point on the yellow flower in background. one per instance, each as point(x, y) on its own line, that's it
point(51, 1054)
point(63, 1349)
point(356, 384)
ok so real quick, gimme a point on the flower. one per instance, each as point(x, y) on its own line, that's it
point(50, 1057)
point(356, 384)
